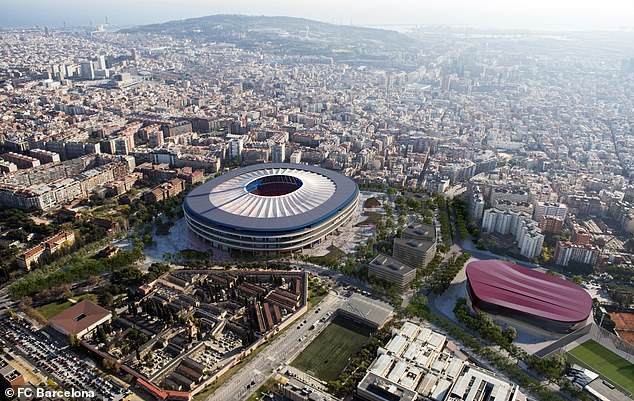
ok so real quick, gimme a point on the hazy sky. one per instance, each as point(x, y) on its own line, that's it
point(539, 14)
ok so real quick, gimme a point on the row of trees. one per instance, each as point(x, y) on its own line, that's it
point(443, 218)
point(466, 226)
point(431, 267)
point(191, 258)
point(623, 295)
point(552, 368)
point(622, 272)
point(442, 278)
point(389, 290)
point(410, 205)
point(373, 187)
point(158, 310)
point(483, 323)
point(17, 225)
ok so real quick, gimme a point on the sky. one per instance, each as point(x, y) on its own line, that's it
point(526, 14)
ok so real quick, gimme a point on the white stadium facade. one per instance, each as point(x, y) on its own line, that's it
point(273, 207)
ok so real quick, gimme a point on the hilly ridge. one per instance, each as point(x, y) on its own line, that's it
point(287, 35)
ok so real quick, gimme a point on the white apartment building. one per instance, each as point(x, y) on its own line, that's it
point(553, 209)
point(519, 224)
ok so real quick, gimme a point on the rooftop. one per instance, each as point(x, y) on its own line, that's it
point(386, 262)
point(368, 309)
point(527, 290)
point(302, 195)
point(79, 317)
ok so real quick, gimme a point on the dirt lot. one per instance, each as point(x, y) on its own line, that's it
point(624, 325)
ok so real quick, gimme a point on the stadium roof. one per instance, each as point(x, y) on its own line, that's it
point(233, 195)
point(230, 201)
point(79, 317)
point(529, 291)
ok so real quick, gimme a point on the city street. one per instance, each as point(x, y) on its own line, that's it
point(280, 351)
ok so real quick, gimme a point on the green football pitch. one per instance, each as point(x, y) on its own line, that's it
point(606, 363)
point(328, 354)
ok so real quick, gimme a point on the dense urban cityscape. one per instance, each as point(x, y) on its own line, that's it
point(255, 208)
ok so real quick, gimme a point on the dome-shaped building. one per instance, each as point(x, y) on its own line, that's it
point(274, 207)
point(506, 289)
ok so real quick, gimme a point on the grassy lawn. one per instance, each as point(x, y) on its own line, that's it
point(371, 203)
point(316, 292)
point(327, 356)
point(606, 363)
point(335, 253)
point(89, 296)
point(51, 309)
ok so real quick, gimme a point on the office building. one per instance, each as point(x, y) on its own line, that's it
point(391, 271)
point(414, 252)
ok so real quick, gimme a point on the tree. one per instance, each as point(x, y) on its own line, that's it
point(12, 313)
point(107, 364)
point(510, 333)
point(547, 254)
point(552, 367)
point(105, 298)
point(73, 341)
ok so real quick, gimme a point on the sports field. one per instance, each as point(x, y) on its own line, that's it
point(327, 356)
point(606, 363)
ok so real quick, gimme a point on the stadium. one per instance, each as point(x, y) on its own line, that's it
point(274, 207)
point(506, 289)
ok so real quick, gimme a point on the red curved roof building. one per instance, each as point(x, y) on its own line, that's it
point(506, 289)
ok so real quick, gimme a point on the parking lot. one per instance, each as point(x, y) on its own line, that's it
point(59, 363)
